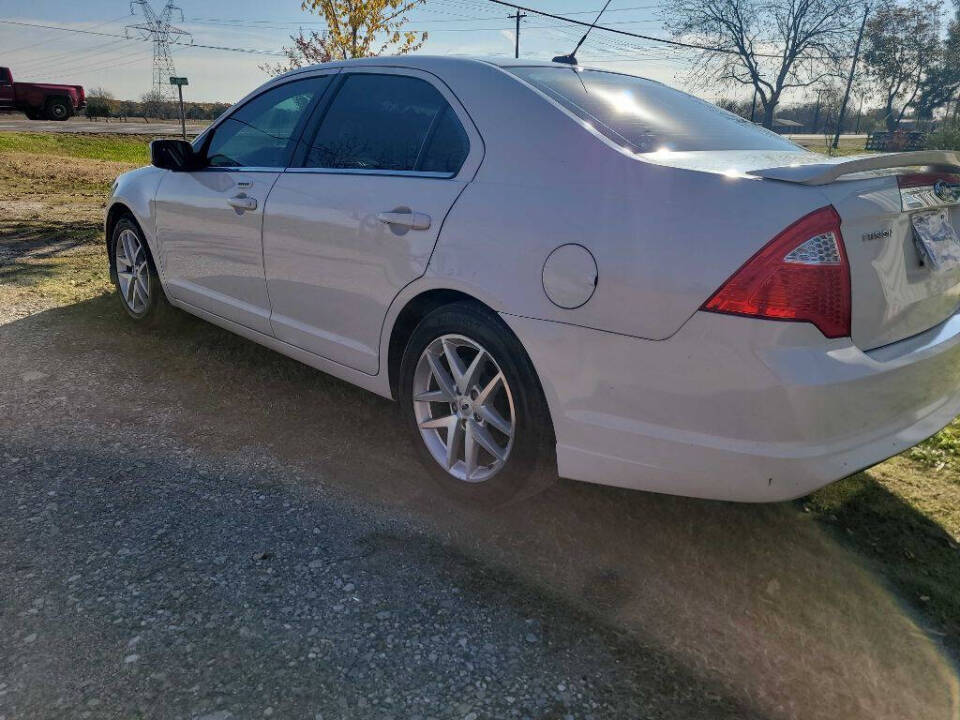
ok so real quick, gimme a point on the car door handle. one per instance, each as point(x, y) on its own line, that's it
point(412, 220)
point(242, 202)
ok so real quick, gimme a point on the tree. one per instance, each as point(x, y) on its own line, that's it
point(354, 28)
point(942, 81)
point(902, 48)
point(99, 103)
point(155, 105)
point(768, 46)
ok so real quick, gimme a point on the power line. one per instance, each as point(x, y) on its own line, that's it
point(249, 51)
point(651, 38)
point(41, 42)
point(43, 61)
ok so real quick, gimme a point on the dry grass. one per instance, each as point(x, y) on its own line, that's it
point(51, 219)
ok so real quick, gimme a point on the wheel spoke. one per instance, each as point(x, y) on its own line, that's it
point(487, 391)
point(438, 422)
point(470, 449)
point(442, 377)
point(432, 396)
point(128, 249)
point(492, 417)
point(471, 373)
point(482, 436)
point(141, 293)
point(131, 291)
point(456, 364)
point(124, 278)
point(454, 441)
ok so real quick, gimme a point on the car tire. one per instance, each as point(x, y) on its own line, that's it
point(525, 462)
point(32, 114)
point(134, 273)
point(58, 109)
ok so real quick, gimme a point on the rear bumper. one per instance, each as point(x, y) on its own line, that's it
point(738, 409)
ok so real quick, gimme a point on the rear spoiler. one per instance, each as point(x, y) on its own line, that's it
point(833, 168)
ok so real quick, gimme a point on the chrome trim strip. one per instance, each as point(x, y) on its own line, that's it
point(358, 171)
point(241, 168)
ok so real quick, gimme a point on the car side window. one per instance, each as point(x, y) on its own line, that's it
point(4, 76)
point(447, 147)
point(388, 122)
point(262, 133)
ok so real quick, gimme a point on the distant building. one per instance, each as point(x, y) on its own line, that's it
point(784, 126)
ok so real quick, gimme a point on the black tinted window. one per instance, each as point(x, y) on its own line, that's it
point(261, 133)
point(382, 122)
point(4, 75)
point(646, 116)
point(447, 146)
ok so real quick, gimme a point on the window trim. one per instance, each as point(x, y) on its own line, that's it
point(469, 166)
point(207, 135)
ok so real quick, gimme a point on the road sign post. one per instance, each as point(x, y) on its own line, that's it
point(180, 82)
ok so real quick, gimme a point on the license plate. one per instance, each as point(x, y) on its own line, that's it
point(936, 239)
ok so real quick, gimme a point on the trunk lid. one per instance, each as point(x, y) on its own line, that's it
point(895, 291)
point(898, 288)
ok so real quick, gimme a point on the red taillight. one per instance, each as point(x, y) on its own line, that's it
point(802, 274)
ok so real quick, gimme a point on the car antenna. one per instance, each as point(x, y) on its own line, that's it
point(571, 59)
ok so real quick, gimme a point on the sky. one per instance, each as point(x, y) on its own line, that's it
point(456, 27)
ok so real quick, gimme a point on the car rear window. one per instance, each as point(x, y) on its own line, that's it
point(646, 116)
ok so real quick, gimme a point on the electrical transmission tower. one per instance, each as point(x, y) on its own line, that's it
point(157, 27)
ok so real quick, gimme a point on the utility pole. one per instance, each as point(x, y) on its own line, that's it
point(853, 69)
point(859, 115)
point(518, 16)
point(816, 113)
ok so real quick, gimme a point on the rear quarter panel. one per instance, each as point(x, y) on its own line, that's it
point(664, 239)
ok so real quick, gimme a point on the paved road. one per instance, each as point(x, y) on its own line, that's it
point(195, 527)
point(15, 122)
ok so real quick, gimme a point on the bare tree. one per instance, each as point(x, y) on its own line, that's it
point(768, 46)
point(902, 47)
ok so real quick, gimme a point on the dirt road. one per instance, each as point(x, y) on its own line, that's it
point(194, 526)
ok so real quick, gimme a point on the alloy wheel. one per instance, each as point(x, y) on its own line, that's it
point(133, 272)
point(464, 408)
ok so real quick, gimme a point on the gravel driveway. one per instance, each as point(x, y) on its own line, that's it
point(194, 527)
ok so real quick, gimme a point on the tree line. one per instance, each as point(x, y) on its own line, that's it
point(903, 57)
point(152, 105)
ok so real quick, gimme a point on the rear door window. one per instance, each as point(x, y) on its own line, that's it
point(389, 122)
point(646, 116)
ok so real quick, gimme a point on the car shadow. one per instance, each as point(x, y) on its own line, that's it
point(41, 239)
point(914, 554)
point(758, 599)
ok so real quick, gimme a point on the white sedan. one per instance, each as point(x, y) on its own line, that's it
point(564, 271)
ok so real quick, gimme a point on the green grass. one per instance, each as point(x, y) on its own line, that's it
point(940, 451)
point(847, 146)
point(118, 148)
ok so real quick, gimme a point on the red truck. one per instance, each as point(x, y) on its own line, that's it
point(40, 100)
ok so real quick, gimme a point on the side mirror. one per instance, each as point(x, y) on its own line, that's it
point(176, 155)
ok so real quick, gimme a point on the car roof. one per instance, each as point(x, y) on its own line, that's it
point(434, 62)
